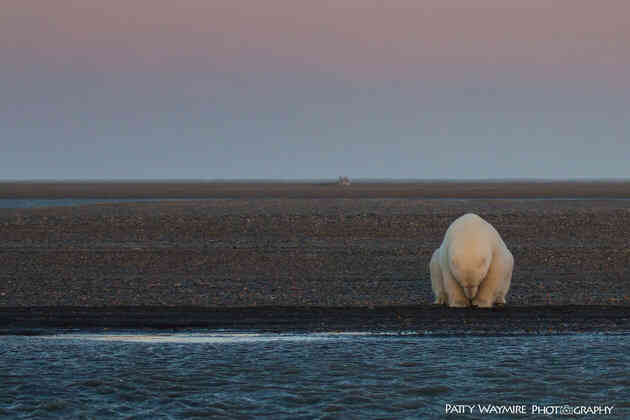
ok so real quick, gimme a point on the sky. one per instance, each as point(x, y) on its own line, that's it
point(303, 89)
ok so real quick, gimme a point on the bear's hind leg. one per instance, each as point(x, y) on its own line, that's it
point(508, 268)
point(437, 282)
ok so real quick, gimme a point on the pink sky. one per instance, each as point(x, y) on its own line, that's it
point(355, 38)
point(306, 88)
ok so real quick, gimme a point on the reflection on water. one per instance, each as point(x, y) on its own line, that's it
point(206, 374)
point(27, 203)
point(209, 338)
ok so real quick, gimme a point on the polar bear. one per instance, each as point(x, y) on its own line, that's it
point(473, 265)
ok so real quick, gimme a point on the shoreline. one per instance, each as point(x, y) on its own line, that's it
point(367, 255)
point(430, 320)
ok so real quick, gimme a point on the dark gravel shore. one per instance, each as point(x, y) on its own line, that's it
point(422, 319)
point(360, 253)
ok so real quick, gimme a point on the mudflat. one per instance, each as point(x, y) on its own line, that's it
point(352, 249)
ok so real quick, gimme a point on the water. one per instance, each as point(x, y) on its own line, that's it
point(238, 375)
point(27, 203)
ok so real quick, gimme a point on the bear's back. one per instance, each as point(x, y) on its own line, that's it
point(468, 246)
point(471, 232)
point(470, 227)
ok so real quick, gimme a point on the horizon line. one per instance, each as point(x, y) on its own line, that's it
point(305, 180)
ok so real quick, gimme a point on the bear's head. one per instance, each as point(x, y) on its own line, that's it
point(470, 268)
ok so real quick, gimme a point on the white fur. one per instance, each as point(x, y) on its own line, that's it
point(473, 265)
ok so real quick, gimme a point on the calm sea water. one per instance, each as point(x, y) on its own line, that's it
point(23, 203)
point(287, 376)
point(26, 203)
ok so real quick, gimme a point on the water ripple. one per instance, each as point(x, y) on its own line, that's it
point(309, 375)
